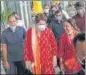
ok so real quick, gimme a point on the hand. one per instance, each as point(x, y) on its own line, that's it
point(33, 68)
point(27, 64)
point(54, 61)
point(6, 65)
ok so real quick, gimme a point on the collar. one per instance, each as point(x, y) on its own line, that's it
point(12, 28)
point(58, 21)
point(79, 15)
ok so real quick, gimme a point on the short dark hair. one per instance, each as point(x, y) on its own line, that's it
point(16, 15)
point(79, 37)
point(52, 7)
point(58, 11)
point(12, 15)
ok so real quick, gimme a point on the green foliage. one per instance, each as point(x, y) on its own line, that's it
point(4, 16)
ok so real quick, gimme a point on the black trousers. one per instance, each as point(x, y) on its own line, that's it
point(20, 67)
point(16, 68)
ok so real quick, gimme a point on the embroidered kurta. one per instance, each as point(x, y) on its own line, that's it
point(66, 52)
point(48, 47)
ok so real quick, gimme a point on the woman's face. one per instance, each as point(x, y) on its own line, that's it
point(68, 28)
point(41, 25)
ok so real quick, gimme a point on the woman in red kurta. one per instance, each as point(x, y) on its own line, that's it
point(67, 51)
point(46, 48)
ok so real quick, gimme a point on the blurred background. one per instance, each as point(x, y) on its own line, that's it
point(27, 9)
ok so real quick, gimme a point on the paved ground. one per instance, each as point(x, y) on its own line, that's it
point(2, 68)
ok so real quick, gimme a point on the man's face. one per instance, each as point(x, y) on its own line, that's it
point(80, 10)
point(12, 21)
point(46, 9)
point(58, 16)
point(80, 46)
point(54, 9)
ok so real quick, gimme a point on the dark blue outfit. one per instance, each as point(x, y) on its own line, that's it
point(57, 28)
point(15, 48)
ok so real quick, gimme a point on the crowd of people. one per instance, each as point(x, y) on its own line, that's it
point(54, 40)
